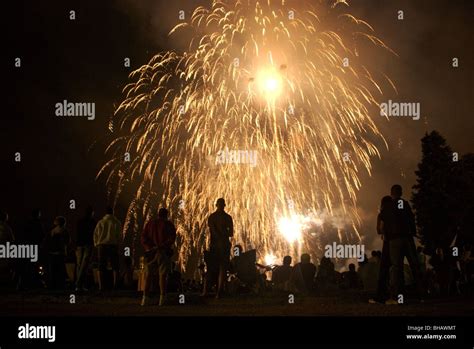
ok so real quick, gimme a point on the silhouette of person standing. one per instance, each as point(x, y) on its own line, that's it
point(6, 235)
point(107, 237)
point(56, 242)
point(84, 246)
point(221, 228)
point(32, 234)
point(385, 228)
point(158, 239)
point(402, 244)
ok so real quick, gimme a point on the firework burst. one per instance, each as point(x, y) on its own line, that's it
point(259, 77)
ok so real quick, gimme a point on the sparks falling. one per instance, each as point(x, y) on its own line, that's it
point(258, 76)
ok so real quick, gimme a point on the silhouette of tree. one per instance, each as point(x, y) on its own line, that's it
point(432, 195)
point(462, 200)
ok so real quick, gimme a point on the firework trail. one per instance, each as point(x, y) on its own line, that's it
point(263, 79)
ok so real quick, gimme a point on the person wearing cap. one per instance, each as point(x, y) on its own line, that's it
point(221, 229)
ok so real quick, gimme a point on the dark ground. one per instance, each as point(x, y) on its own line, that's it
point(127, 304)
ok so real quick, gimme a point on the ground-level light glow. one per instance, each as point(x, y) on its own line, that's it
point(270, 259)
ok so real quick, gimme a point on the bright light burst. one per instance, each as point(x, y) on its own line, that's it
point(254, 78)
point(270, 259)
point(270, 83)
point(292, 227)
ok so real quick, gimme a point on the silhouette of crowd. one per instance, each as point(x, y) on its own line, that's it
point(99, 263)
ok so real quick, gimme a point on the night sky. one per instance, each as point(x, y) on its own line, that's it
point(83, 61)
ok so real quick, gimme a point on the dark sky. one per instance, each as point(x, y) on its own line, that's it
point(82, 60)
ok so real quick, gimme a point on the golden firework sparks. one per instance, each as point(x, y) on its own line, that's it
point(258, 81)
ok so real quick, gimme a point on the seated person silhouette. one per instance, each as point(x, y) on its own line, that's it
point(243, 266)
point(303, 274)
point(281, 274)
